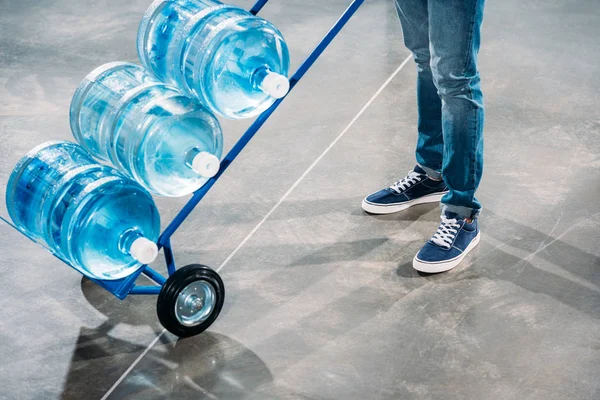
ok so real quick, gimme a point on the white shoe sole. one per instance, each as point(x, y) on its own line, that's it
point(392, 208)
point(434, 268)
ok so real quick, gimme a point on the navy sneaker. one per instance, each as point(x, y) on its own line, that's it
point(454, 239)
point(415, 188)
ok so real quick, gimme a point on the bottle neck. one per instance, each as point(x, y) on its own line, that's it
point(272, 83)
point(258, 76)
point(142, 249)
point(203, 163)
point(127, 238)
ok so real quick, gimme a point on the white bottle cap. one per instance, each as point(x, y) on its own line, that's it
point(206, 164)
point(275, 85)
point(143, 250)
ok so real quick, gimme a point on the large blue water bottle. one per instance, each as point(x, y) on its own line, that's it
point(166, 141)
point(234, 62)
point(90, 215)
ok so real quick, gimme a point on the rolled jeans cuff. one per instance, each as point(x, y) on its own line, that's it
point(461, 211)
point(432, 173)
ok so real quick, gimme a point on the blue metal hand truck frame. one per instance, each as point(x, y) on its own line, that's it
point(191, 298)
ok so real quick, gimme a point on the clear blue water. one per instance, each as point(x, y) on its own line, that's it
point(95, 100)
point(103, 222)
point(147, 129)
point(214, 52)
point(87, 213)
point(35, 180)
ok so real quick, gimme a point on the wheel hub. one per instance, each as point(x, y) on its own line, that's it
point(195, 303)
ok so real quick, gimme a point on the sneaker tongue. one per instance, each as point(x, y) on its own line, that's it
point(420, 170)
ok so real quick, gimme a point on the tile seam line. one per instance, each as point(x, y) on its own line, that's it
point(133, 365)
point(272, 210)
point(314, 164)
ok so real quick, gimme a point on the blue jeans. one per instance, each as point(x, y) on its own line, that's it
point(444, 37)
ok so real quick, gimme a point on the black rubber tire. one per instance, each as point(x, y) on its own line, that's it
point(167, 298)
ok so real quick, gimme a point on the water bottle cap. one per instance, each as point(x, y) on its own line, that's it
point(276, 85)
point(143, 250)
point(206, 164)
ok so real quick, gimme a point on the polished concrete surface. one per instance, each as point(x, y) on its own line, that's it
point(322, 301)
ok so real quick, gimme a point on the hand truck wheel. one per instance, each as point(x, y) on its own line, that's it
point(190, 300)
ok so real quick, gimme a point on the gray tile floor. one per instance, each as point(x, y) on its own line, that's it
point(322, 302)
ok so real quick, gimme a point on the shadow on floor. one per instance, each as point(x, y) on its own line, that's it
point(210, 366)
point(206, 366)
point(566, 273)
point(413, 213)
point(562, 271)
point(215, 366)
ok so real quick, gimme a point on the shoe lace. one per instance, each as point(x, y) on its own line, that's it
point(446, 232)
point(411, 179)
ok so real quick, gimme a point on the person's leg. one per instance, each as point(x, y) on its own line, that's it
point(454, 33)
point(423, 184)
point(414, 18)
